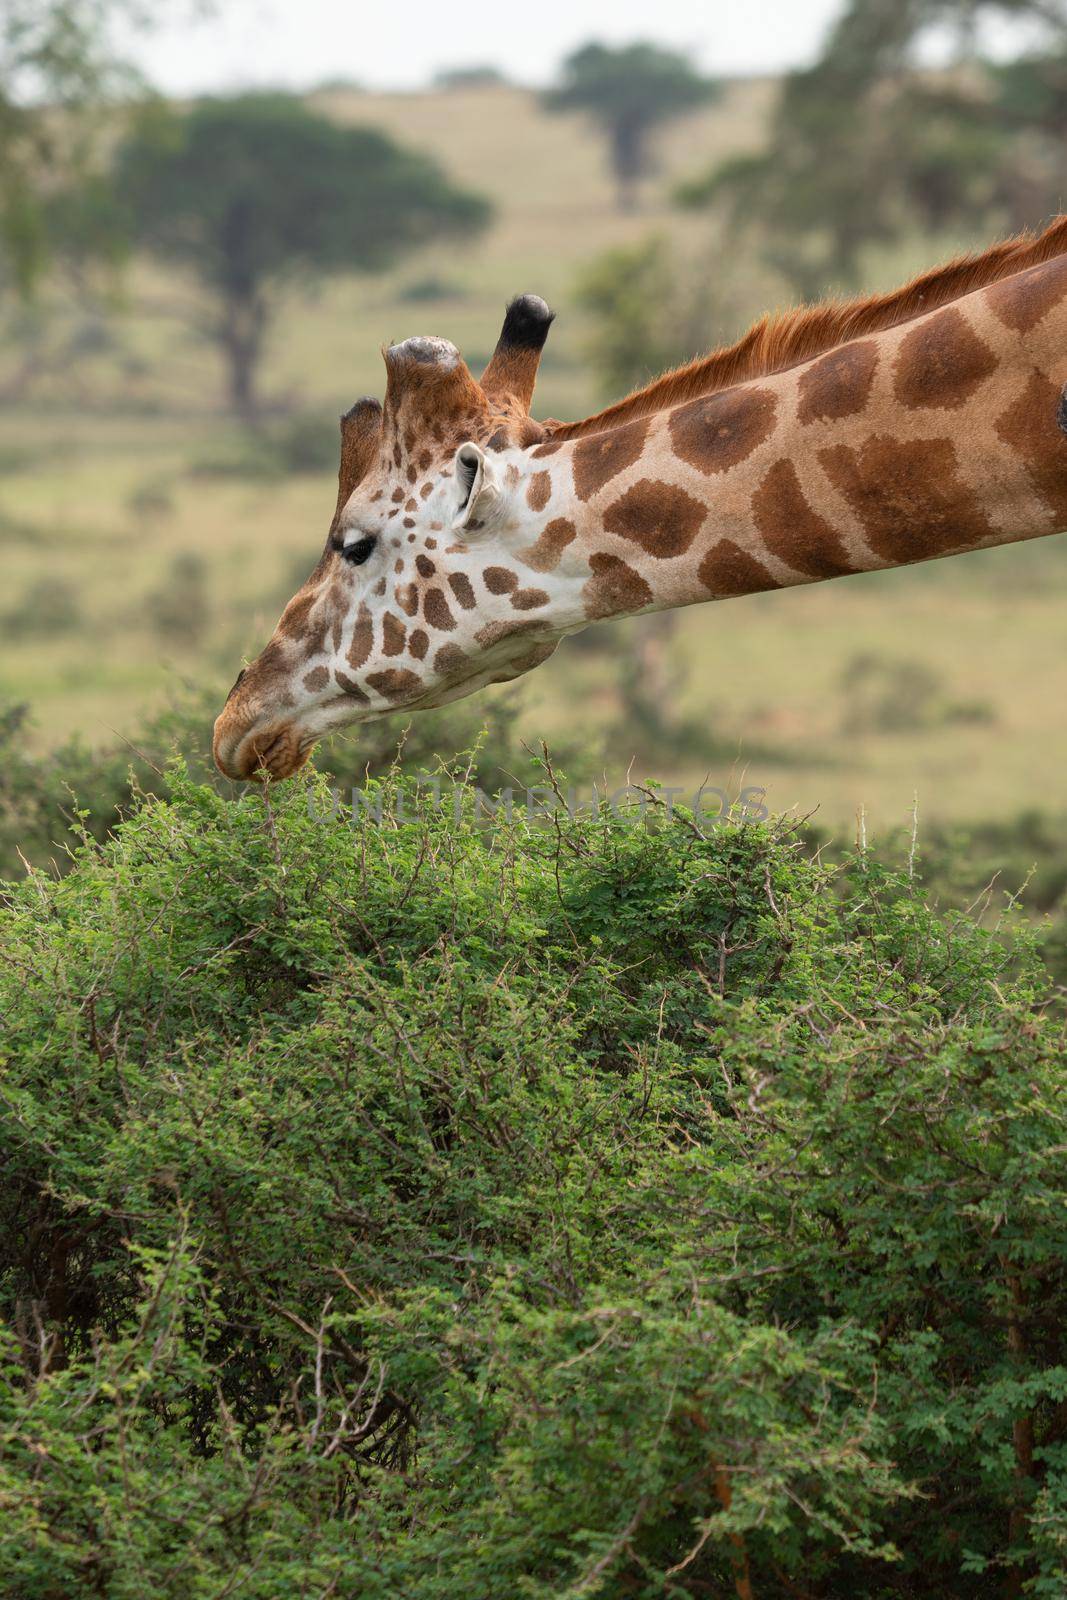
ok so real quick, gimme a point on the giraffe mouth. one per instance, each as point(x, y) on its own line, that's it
point(277, 752)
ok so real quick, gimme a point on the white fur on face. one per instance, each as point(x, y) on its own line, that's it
point(460, 590)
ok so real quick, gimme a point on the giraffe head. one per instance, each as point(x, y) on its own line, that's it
point(419, 596)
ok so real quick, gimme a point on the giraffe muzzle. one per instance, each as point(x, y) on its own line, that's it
point(243, 753)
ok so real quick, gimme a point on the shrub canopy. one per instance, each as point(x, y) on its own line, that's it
point(601, 1207)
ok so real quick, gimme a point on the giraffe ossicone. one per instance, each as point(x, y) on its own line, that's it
point(468, 538)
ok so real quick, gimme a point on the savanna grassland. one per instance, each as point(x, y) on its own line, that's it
point(149, 542)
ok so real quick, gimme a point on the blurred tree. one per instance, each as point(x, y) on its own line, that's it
point(476, 76)
point(625, 291)
point(629, 92)
point(865, 145)
point(649, 308)
point(256, 192)
point(57, 77)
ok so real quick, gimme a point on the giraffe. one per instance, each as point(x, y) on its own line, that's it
point(468, 538)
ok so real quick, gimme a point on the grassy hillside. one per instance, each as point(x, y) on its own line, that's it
point(127, 500)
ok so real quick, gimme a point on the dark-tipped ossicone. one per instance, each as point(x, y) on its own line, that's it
point(513, 367)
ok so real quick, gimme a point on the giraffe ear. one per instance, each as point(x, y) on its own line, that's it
point(361, 429)
point(479, 497)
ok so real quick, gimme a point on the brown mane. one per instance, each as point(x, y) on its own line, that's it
point(788, 338)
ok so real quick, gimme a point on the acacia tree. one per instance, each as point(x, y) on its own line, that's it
point(864, 144)
point(255, 193)
point(629, 92)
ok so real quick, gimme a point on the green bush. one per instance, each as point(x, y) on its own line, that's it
point(42, 794)
point(447, 1208)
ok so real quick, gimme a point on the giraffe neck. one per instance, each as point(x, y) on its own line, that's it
point(928, 439)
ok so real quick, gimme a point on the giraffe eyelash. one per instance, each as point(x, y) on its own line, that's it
point(358, 551)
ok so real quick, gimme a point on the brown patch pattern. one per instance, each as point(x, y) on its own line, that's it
point(499, 580)
point(614, 588)
point(448, 658)
point(418, 643)
point(551, 542)
point(528, 599)
point(1029, 427)
point(349, 685)
point(658, 516)
point(436, 610)
point(908, 495)
point(394, 635)
point(493, 632)
point(463, 590)
point(362, 637)
point(723, 430)
point(395, 683)
point(317, 679)
point(294, 617)
point(603, 456)
point(839, 384)
point(793, 530)
point(1023, 301)
point(728, 570)
point(535, 657)
point(941, 363)
point(538, 491)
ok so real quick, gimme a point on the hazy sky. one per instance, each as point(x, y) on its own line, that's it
point(402, 43)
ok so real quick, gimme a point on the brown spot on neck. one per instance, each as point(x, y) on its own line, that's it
point(839, 384)
point(603, 456)
point(1029, 427)
point(941, 363)
point(538, 491)
point(793, 530)
point(659, 517)
point(614, 589)
point(908, 496)
point(1025, 300)
point(720, 432)
point(544, 554)
point(494, 632)
point(727, 570)
point(449, 658)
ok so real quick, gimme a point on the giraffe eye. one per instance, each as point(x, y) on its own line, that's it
point(355, 554)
